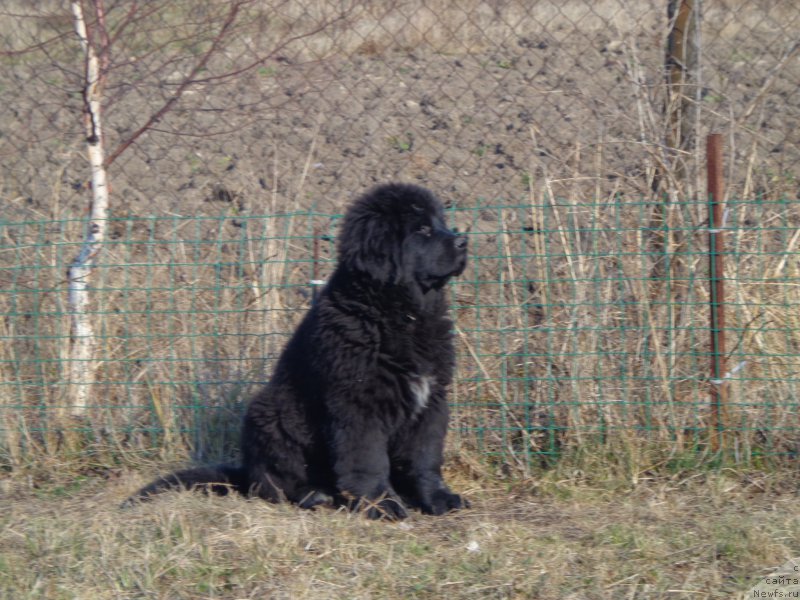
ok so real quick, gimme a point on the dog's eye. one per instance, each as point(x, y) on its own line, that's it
point(425, 230)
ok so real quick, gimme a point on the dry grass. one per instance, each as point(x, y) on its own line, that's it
point(701, 535)
point(475, 25)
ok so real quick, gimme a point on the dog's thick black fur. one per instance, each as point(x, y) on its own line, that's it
point(356, 413)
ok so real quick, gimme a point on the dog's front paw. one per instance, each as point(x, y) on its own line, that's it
point(386, 507)
point(443, 501)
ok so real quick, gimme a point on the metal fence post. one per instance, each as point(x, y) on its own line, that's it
point(716, 241)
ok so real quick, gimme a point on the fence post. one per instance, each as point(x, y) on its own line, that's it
point(716, 253)
point(681, 69)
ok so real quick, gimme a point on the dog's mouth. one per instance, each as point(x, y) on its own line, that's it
point(460, 244)
point(461, 265)
point(436, 279)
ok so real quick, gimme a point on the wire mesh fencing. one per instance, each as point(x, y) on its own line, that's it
point(571, 327)
point(563, 134)
point(310, 100)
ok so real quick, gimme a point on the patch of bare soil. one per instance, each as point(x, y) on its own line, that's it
point(578, 115)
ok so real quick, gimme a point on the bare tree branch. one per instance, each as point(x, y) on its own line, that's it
point(192, 79)
point(189, 80)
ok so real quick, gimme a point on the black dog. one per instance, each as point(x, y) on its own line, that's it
point(356, 413)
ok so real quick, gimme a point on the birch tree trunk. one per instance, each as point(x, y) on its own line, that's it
point(82, 348)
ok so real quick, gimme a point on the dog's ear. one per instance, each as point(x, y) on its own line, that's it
point(368, 243)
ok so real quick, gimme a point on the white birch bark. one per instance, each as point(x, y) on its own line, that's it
point(82, 359)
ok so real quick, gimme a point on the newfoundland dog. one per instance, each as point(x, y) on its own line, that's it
point(356, 411)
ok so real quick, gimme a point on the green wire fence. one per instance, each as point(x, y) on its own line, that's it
point(577, 323)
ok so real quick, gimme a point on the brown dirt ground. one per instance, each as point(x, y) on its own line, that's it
point(580, 108)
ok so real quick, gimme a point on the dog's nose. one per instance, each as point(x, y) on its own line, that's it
point(460, 242)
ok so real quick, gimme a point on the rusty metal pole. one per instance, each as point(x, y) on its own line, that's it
point(716, 253)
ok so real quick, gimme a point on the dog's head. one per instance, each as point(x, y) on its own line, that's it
point(397, 233)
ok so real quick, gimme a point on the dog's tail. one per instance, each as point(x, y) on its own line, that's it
point(220, 480)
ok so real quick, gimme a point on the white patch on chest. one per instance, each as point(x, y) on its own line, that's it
point(420, 391)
